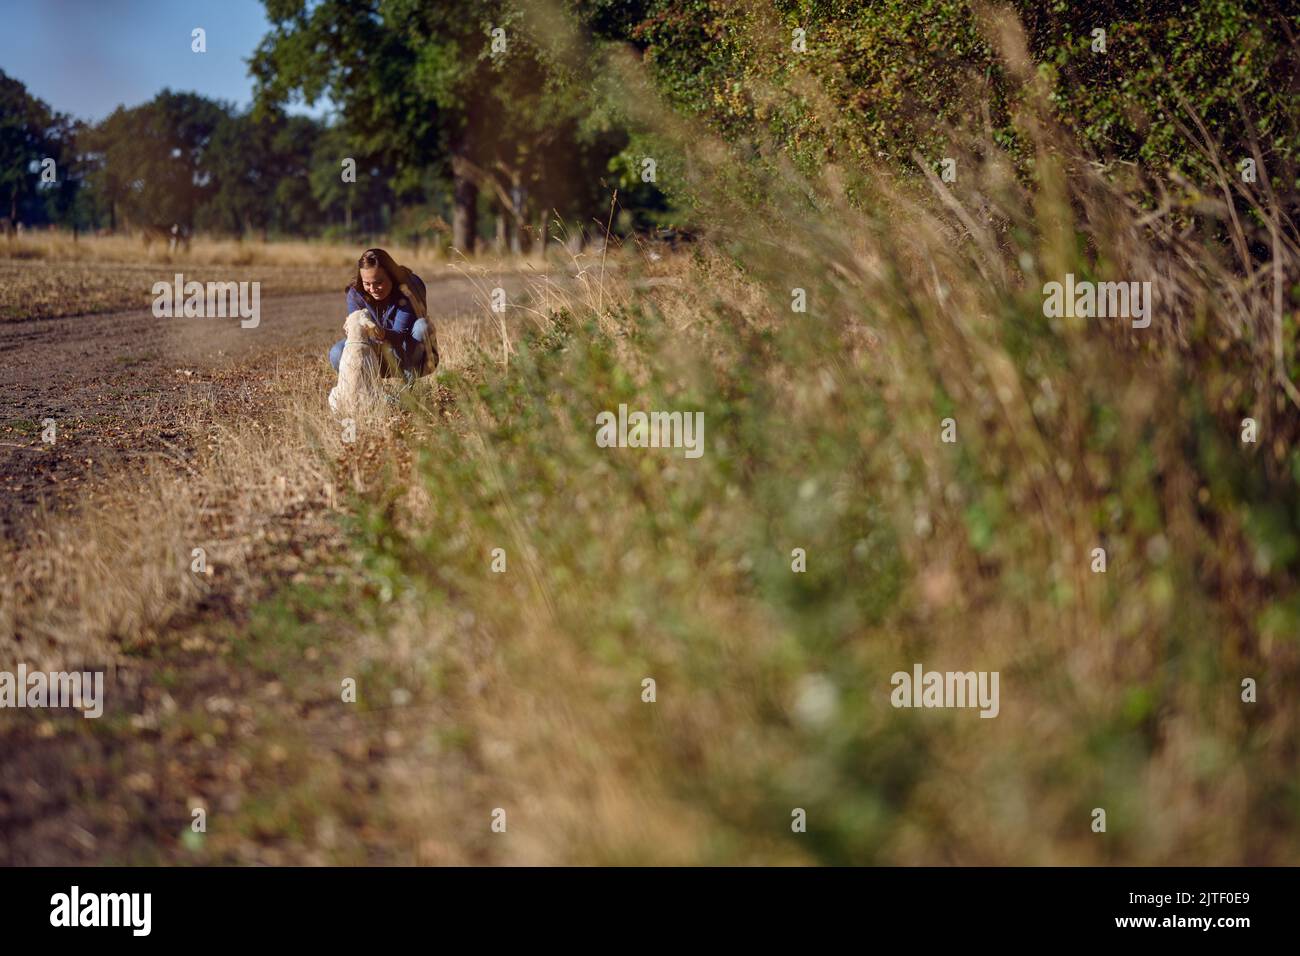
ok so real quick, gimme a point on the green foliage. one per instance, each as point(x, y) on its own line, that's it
point(648, 559)
point(31, 132)
point(152, 163)
point(261, 169)
point(892, 75)
point(421, 87)
point(1231, 64)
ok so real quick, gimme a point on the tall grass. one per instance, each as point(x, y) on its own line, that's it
point(1121, 690)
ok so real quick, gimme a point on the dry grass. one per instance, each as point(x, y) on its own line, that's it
point(59, 246)
point(1120, 691)
point(49, 274)
point(85, 585)
point(523, 689)
point(88, 585)
point(261, 481)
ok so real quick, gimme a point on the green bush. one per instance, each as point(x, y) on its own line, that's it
point(894, 74)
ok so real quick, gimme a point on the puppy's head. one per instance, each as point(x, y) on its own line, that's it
point(360, 327)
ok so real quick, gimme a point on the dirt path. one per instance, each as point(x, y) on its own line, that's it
point(111, 383)
point(226, 709)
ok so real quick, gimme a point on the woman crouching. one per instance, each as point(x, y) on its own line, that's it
point(394, 297)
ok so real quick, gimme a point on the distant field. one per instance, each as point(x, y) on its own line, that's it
point(49, 275)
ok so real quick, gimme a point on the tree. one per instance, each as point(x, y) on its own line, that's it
point(460, 90)
point(294, 146)
point(29, 133)
point(896, 72)
point(359, 200)
point(152, 164)
point(362, 57)
point(68, 201)
point(260, 168)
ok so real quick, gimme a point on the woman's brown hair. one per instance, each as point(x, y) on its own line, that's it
point(397, 275)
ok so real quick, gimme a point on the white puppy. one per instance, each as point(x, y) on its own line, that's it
point(359, 365)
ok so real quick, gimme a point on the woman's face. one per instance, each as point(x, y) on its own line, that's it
point(376, 283)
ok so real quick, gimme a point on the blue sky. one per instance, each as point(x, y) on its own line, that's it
point(86, 57)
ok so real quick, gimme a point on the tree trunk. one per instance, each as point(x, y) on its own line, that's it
point(499, 243)
point(543, 230)
point(517, 197)
point(464, 216)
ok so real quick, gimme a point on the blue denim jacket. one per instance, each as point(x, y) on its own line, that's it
point(398, 316)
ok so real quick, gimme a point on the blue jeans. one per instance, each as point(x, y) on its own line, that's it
point(410, 362)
